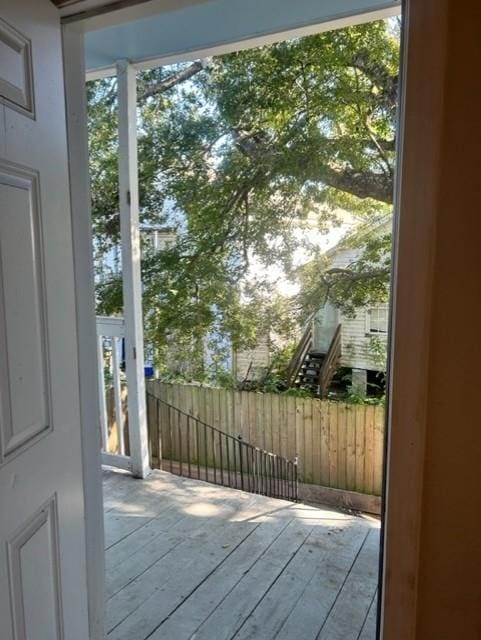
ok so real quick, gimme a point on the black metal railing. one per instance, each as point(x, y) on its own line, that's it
point(187, 446)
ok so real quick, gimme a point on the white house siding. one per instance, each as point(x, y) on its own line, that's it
point(259, 356)
point(355, 337)
point(341, 258)
point(356, 342)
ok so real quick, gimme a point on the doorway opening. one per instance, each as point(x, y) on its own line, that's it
point(323, 418)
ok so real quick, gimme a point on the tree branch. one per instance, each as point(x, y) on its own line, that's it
point(175, 78)
point(379, 76)
point(355, 276)
point(362, 184)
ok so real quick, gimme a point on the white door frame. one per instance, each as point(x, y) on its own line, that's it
point(76, 111)
point(414, 247)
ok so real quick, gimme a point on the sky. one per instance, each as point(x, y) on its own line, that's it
point(324, 240)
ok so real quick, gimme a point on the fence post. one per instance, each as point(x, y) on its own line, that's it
point(240, 462)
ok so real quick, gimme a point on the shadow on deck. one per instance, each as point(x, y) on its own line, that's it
point(189, 560)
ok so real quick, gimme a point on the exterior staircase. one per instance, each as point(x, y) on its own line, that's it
point(308, 376)
point(313, 370)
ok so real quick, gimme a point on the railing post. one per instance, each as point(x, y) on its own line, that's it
point(296, 482)
point(118, 397)
point(159, 433)
point(102, 400)
point(239, 438)
point(131, 278)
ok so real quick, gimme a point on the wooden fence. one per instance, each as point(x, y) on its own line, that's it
point(113, 444)
point(339, 445)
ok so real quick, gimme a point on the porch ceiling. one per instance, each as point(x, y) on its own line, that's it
point(195, 29)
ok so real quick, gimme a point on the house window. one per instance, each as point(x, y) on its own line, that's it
point(377, 319)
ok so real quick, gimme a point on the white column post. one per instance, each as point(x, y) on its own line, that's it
point(132, 286)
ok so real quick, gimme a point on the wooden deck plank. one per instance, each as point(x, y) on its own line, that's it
point(273, 610)
point(347, 616)
point(368, 631)
point(207, 562)
point(151, 543)
point(334, 559)
point(120, 525)
point(193, 611)
point(236, 607)
point(122, 574)
point(147, 601)
point(118, 554)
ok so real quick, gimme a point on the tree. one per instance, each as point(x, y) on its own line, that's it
point(235, 152)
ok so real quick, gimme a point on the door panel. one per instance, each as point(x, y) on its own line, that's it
point(15, 69)
point(36, 614)
point(42, 528)
point(24, 394)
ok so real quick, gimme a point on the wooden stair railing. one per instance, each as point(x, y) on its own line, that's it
point(299, 355)
point(330, 363)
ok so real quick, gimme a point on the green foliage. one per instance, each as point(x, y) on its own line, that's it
point(361, 398)
point(378, 350)
point(235, 157)
point(363, 282)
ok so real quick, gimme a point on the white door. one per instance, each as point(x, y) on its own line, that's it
point(43, 594)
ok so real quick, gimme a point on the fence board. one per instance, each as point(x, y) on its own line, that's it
point(251, 424)
point(378, 448)
point(281, 428)
point(316, 442)
point(300, 438)
point(291, 451)
point(269, 409)
point(324, 429)
point(351, 448)
point(360, 447)
point(339, 445)
point(245, 416)
point(369, 460)
point(275, 422)
point(308, 466)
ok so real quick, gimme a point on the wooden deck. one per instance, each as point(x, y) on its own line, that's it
point(190, 560)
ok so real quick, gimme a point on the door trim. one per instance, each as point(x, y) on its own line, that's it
point(416, 205)
point(76, 114)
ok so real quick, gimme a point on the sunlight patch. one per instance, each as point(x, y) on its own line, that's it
point(203, 509)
